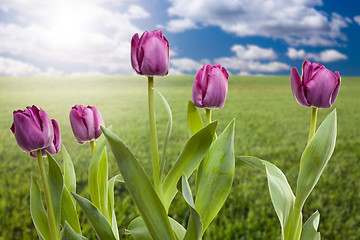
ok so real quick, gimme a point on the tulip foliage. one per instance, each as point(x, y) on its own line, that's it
point(208, 156)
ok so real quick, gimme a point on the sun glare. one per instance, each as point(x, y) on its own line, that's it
point(69, 25)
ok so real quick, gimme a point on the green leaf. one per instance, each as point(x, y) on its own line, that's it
point(193, 153)
point(309, 231)
point(68, 211)
point(37, 211)
point(117, 178)
point(315, 158)
point(194, 228)
point(56, 184)
point(138, 230)
point(167, 134)
point(69, 171)
point(281, 194)
point(194, 121)
point(69, 234)
point(254, 161)
point(215, 176)
point(140, 188)
point(98, 221)
point(96, 175)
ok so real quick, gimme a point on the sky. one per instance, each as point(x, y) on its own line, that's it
point(247, 37)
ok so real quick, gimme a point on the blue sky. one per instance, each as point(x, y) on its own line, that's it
point(248, 37)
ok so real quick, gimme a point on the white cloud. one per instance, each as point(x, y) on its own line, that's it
point(180, 25)
point(252, 52)
point(184, 65)
point(329, 55)
point(297, 22)
point(249, 59)
point(81, 33)
point(357, 19)
point(15, 68)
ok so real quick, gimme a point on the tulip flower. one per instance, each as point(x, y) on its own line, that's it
point(32, 128)
point(55, 146)
point(85, 123)
point(210, 87)
point(150, 54)
point(318, 87)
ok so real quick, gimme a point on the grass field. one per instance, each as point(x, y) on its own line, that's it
point(269, 124)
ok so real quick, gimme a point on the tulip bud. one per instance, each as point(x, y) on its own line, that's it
point(318, 87)
point(210, 86)
point(150, 54)
point(85, 123)
point(32, 128)
point(55, 146)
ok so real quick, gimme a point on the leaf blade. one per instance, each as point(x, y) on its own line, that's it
point(37, 211)
point(192, 154)
point(194, 122)
point(315, 157)
point(56, 184)
point(309, 230)
point(140, 188)
point(215, 176)
point(98, 221)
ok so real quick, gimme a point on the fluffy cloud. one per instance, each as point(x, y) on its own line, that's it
point(82, 35)
point(252, 52)
point(252, 59)
point(249, 59)
point(15, 68)
point(180, 25)
point(357, 19)
point(297, 22)
point(329, 55)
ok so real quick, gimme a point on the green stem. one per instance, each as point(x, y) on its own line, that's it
point(153, 139)
point(49, 207)
point(312, 123)
point(207, 116)
point(295, 223)
point(92, 145)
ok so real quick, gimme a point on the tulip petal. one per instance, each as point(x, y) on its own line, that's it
point(297, 87)
point(309, 70)
point(336, 90)
point(320, 89)
point(27, 133)
point(216, 91)
point(46, 127)
point(80, 119)
point(134, 48)
point(98, 121)
point(200, 85)
point(155, 61)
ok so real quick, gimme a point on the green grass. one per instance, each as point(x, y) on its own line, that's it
point(269, 124)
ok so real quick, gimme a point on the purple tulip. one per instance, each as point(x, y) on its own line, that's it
point(210, 86)
point(85, 123)
point(150, 54)
point(318, 87)
point(32, 129)
point(55, 146)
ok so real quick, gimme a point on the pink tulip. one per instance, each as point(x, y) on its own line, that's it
point(210, 86)
point(150, 54)
point(55, 146)
point(32, 129)
point(85, 123)
point(318, 87)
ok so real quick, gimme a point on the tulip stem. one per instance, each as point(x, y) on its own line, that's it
point(49, 207)
point(153, 139)
point(312, 123)
point(207, 116)
point(92, 145)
